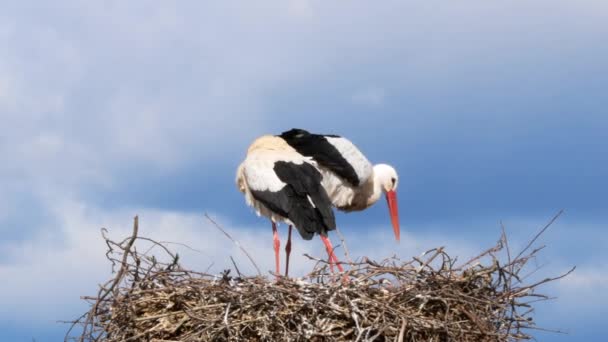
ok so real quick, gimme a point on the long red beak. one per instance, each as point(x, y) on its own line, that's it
point(391, 199)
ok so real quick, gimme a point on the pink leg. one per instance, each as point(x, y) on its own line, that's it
point(330, 252)
point(277, 244)
point(288, 251)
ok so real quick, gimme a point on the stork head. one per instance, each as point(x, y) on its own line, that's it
point(387, 178)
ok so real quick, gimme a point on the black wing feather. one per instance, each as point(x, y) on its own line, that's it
point(322, 151)
point(302, 181)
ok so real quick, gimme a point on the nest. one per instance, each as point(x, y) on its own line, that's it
point(428, 298)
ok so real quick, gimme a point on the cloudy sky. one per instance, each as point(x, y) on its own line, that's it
point(489, 110)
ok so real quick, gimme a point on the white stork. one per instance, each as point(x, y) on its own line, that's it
point(350, 180)
point(285, 186)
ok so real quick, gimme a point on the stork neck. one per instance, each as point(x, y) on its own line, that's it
point(376, 190)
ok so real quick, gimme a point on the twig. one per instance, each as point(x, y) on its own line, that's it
point(539, 233)
point(346, 254)
point(104, 293)
point(402, 330)
point(235, 266)
point(235, 242)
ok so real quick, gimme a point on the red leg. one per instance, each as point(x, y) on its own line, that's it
point(329, 249)
point(288, 251)
point(330, 252)
point(277, 244)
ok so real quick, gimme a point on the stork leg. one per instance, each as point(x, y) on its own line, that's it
point(277, 245)
point(330, 252)
point(288, 250)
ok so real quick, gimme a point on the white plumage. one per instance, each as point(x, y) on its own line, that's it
point(349, 178)
point(256, 172)
point(285, 186)
point(353, 156)
point(341, 191)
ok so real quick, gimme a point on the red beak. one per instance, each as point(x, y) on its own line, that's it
point(391, 199)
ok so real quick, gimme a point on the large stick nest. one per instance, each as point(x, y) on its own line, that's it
point(430, 298)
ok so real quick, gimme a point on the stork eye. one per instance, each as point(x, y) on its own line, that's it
point(393, 180)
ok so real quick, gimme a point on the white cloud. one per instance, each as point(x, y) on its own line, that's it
point(191, 79)
point(89, 90)
point(586, 288)
point(301, 8)
point(52, 269)
point(371, 96)
point(6, 95)
point(589, 278)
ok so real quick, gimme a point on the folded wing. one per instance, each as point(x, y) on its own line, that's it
point(291, 187)
point(337, 154)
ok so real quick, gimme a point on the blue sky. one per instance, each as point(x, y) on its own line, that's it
point(489, 110)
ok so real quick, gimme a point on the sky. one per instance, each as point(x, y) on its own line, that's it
point(490, 111)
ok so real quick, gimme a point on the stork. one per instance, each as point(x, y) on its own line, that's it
point(351, 181)
point(286, 186)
